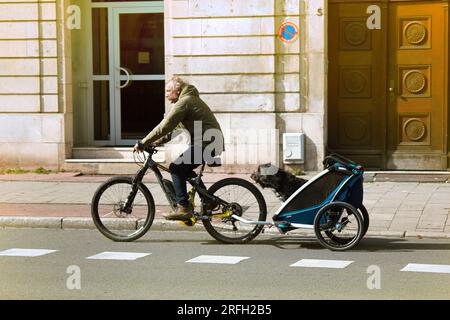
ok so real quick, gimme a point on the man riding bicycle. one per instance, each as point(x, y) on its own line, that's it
point(189, 113)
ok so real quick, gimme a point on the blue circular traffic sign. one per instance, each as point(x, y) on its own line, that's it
point(288, 32)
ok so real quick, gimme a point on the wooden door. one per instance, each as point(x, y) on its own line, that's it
point(416, 85)
point(356, 86)
point(386, 88)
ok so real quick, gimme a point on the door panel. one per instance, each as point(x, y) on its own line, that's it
point(102, 102)
point(142, 42)
point(143, 109)
point(102, 114)
point(100, 41)
point(355, 85)
point(139, 49)
point(416, 80)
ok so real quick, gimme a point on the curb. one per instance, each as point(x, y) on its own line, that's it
point(73, 223)
point(428, 234)
point(31, 222)
point(68, 223)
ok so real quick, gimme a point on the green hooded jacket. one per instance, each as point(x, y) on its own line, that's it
point(183, 114)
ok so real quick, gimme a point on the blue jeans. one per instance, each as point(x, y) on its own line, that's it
point(182, 169)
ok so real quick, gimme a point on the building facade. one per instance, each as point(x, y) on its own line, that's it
point(82, 80)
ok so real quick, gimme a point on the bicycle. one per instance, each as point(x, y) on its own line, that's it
point(129, 216)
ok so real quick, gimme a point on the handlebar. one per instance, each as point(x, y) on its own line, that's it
point(139, 157)
point(337, 158)
point(149, 149)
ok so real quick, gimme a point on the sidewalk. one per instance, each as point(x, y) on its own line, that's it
point(417, 208)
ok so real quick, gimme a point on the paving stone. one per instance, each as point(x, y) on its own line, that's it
point(382, 216)
point(387, 204)
point(426, 187)
point(440, 200)
point(380, 223)
point(405, 223)
point(437, 218)
point(416, 197)
point(377, 210)
point(411, 207)
point(408, 213)
point(370, 196)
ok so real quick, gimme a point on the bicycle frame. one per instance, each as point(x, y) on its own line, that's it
point(157, 168)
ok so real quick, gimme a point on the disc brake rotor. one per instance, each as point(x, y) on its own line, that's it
point(118, 210)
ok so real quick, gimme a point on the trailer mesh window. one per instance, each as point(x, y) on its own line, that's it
point(317, 192)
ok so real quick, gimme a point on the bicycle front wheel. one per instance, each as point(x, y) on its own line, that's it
point(110, 218)
point(244, 200)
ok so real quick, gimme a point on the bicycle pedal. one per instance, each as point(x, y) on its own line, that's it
point(188, 223)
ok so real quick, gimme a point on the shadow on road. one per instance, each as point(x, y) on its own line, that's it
point(368, 244)
point(304, 242)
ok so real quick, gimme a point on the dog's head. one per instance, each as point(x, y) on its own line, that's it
point(282, 182)
point(268, 176)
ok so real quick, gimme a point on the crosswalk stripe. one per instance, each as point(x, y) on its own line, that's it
point(118, 256)
point(25, 252)
point(434, 268)
point(314, 263)
point(218, 259)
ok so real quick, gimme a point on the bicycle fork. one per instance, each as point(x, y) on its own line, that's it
point(128, 207)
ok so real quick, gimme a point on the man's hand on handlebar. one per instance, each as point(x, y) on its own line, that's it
point(139, 146)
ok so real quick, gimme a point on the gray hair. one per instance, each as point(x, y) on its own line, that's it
point(178, 83)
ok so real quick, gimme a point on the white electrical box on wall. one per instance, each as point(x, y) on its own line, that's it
point(294, 148)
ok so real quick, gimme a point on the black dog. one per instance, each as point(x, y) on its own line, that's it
point(283, 183)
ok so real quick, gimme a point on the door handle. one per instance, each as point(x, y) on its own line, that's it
point(127, 82)
point(392, 89)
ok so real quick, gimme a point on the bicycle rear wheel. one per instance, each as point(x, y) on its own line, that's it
point(110, 218)
point(245, 201)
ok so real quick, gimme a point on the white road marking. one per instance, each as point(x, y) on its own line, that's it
point(118, 256)
point(26, 252)
point(218, 259)
point(434, 268)
point(313, 263)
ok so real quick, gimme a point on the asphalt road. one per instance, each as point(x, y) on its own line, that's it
point(264, 272)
